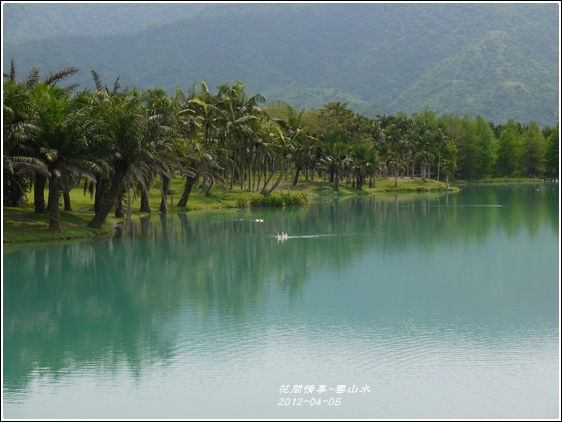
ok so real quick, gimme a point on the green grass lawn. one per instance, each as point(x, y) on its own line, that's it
point(23, 225)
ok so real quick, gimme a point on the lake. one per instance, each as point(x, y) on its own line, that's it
point(409, 306)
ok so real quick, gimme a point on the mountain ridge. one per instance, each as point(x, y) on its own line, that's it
point(497, 60)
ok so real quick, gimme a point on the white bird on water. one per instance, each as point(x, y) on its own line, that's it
point(282, 236)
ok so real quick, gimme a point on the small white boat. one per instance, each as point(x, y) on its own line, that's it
point(259, 220)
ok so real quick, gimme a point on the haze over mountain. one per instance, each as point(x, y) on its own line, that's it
point(498, 60)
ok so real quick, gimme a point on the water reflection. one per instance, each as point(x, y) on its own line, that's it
point(387, 283)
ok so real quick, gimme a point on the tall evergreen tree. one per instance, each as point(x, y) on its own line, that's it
point(484, 147)
point(533, 147)
point(506, 152)
point(467, 148)
point(552, 153)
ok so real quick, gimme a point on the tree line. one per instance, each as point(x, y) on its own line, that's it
point(119, 140)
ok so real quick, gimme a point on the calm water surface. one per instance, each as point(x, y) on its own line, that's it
point(420, 306)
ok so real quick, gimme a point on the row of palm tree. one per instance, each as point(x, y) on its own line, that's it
point(121, 142)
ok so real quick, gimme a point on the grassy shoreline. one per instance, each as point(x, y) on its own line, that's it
point(22, 225)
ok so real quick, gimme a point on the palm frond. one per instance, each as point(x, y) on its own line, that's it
point(32, 78)
point(116, 86)
point(97, 80)
point(69, 89)
point(204, 88)
point(199, 102)
point(257, 98)
point(30, 164)
point(49, 153)
point(60, 75)
point(12, 75)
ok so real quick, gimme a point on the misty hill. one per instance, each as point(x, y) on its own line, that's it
point(34, 21)
point(497, 60)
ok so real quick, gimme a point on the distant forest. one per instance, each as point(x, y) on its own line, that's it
point(119, 139)
point(496, 60)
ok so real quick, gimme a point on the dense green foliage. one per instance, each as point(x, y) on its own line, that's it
point(283, 199)
point(498, 61)
point(122, 142)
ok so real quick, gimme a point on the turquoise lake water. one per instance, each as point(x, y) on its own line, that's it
point(416, 306)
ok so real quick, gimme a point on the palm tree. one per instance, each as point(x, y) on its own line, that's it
point(424, 135)
point(161, 126)
point(363, 159)
point(239, 124)
point(449, 163)
point(27, 166)
point(426, 158)
point(61, 145)
point(305, 144)
point(124, 137)
point(19, 158)
point(198, 148)
point(441, 138)
point(334, 154)
point(396, 164)
point(279, 152)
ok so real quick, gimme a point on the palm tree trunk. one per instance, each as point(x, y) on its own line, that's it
point(100, 186)
point(267, 179)
point(165, 189)
point(257, 187)
point(39, 194)
point(274, 185)
point(128, 203)
point(209, 188)
point(360, 181)
point(119, 207)
point(297, 172)
point(54, 215)
point(66, 198)
point(267, 193)
point(107, 199)
point(438, 165)
point(104, 206)
point(337, 178)
point(189, 182)
point(144, 204)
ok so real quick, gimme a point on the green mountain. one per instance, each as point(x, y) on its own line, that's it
point(499, 60)
point(34, 21)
